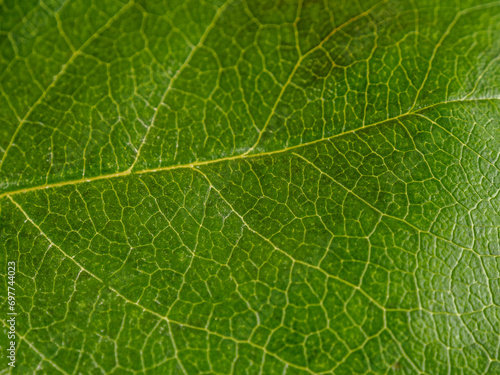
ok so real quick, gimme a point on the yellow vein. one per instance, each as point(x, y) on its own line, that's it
point(38, 352)
point(414, 227)
point(299, 62)
point(143, 308)
point(229, 158)
point(74, 55)
point(441, 40)
point(178, 73)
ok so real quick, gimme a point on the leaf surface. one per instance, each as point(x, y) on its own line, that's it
point(251, 187)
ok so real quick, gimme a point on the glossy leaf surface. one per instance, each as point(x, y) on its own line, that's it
point(251, 187)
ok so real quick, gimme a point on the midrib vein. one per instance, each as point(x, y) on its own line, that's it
point(242, 156)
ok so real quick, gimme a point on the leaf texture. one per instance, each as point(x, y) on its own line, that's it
point(251, 187)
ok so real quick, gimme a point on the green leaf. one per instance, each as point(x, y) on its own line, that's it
point(251, 187)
